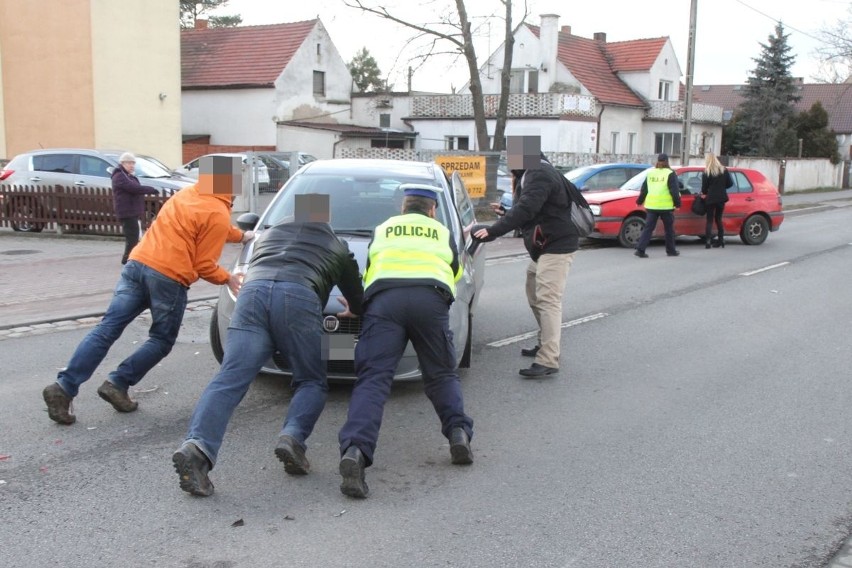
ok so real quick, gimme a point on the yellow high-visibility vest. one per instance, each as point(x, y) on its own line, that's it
point(658, 196)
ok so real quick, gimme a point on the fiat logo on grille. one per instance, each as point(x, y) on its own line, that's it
point(330, 324)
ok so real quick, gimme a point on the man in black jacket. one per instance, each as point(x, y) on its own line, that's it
point(293, 268)
point(542, 210)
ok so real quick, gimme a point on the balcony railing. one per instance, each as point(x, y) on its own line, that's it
point(673, 110)
point(520, 106)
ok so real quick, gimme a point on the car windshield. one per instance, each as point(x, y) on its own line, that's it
point(635, 183)
point(147, 168)
point(358, 202)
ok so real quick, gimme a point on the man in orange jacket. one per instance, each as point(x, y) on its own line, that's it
point(183, 244)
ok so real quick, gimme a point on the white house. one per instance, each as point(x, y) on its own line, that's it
point(239, 82)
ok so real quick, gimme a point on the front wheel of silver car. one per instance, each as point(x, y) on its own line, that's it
point(215, 338)
point(630, 231)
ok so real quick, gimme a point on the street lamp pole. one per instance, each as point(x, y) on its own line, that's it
point(686, 142)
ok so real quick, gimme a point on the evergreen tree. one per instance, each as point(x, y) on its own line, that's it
point(817, 140)
point(365, 72)
point(190, 10)
point(765, 124)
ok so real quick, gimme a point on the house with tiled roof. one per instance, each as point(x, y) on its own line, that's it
point(580, 94)
point(836, 99)
point(238, 83)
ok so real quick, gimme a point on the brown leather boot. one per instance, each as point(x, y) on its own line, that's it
point(118, 398)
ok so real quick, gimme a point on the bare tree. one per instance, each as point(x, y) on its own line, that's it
point(457, 30)
point(835, 53)
point(191, 10)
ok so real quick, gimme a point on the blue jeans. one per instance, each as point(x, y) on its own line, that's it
point(139, 288)
point(392, 318)
point(269, 315)
point(651, 223)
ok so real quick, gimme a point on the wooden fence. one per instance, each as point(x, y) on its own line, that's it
point(77, 209)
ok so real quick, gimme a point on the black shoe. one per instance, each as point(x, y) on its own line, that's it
point(352, 470)
point(717, 243)
point(532, 352)
point(673, 253)
point(58, 404)
point(537, 370)
point(641, 254)
point(116, 397)
point(291, 453)
point(192, 466)
point(707, 245)
point(460, 451)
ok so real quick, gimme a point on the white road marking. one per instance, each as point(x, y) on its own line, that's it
point(523, 336)
point(764, 269)
point(506, 259)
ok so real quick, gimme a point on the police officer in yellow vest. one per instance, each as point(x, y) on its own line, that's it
point(661, 195)
point(409, 284)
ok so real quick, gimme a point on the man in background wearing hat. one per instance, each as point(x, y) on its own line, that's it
point(183, 244)
point(129, 197)
point(660, 194)
point(409, 282)
point(292, 270)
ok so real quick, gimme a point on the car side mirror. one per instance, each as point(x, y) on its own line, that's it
point(247, 221)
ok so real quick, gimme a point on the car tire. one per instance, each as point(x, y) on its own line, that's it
point(754, 230)
point(630, 230)
point(215, 338)
point(464, 362)
point(26, 211)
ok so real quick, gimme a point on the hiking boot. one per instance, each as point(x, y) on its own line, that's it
point(291, 453)
point(58, 404)
point(352, 469)
point(118, 398)
point(192, 467)
point(460, 451)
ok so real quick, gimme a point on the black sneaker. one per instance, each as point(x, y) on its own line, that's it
point(641, 254)
point(192, 467)
point(532, 352)
point(291, 453)
point(118, 398)
point(460, 451)
point(58, 404)
point(352, 470)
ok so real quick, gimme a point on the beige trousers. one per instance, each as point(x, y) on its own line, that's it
point(545, 285)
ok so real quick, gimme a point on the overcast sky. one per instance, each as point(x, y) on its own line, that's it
point(728, 34)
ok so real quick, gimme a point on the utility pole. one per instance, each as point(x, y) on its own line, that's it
point(686, 141)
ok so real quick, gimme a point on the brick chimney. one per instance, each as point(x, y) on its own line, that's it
point(200, 24)
point(600, 36)
point(549, 38)
point(565, 30)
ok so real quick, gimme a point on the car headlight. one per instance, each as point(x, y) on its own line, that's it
point(596, 210)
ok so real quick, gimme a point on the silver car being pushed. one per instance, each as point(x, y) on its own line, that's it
point(363, 194)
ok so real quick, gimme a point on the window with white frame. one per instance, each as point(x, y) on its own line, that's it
point(665, 91)
point(614, 142)
point(668, 142)
point(456, 143)
point(631, 143)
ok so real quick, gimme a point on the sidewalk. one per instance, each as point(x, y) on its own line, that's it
point(46, 278)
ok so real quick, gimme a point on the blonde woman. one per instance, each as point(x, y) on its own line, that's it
point(715, 181)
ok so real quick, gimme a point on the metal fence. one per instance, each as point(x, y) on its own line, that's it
point(77, 209)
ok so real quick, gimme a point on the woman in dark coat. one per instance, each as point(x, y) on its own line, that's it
point(129, 197)
point(715, 181)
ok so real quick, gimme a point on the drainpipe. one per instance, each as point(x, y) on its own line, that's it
point(334, 146)
point(598, 139)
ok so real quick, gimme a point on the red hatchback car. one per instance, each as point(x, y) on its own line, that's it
point(753, 209)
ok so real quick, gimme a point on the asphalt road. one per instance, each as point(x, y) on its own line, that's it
point(701, 418)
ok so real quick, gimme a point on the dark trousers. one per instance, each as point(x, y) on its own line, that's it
point(714, 213)
point(651, 223)
point(391, 319)
point(131, 228)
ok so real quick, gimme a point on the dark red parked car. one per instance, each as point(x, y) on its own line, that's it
point(753, 211)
